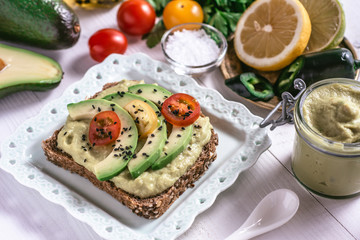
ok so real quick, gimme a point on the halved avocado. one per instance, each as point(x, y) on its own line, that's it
point(22, 69)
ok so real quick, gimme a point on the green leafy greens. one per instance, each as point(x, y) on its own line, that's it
point(221, 14)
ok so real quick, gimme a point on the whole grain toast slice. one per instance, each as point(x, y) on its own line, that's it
point(151, 207)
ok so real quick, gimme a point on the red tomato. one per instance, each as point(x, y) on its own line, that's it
point(105, 42)
point(182, 11)
point(181, 109)
point(104, 128)
point(136, 17)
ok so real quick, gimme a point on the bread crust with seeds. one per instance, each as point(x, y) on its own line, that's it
point(151, 207)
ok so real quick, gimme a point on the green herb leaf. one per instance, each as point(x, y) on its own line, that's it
point(220, 23)
point(154, 37)
point(231, 19)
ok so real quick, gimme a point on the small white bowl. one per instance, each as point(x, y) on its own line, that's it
point(188, 69)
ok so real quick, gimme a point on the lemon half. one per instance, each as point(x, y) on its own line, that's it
point(328, 24)
point(272, 33)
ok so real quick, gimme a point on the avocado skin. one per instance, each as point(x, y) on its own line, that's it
point(27, 87)
point(47, 24)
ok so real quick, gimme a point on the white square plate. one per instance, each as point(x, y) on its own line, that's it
point(241, 141)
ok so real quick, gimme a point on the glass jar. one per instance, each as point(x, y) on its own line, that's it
point(326, 167)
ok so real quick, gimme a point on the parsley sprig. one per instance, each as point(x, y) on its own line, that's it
point(221, 14)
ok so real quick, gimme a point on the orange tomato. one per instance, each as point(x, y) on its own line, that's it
point(182, 11)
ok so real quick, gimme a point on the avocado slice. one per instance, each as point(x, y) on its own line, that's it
point(155, 142)
point(39, 23)
point(22, 69)
point(176, 143)
point(152, 92)
point(179, 137)
point(125, 144)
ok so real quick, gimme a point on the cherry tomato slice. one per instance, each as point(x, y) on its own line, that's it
point(145, 117)
point(181, 109)
point(104, 128)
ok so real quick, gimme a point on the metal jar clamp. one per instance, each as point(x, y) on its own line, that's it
point(287, 104)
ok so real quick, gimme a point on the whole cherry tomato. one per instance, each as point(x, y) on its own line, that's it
point(136, 17)
point(182, 11)
point(105, 42)
point(181, 109)
point(104, 128)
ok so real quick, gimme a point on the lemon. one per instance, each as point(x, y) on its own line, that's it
point(328, 24)
point(272, 33)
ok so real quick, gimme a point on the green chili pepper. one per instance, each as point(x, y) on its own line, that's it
point(251, 86)
point(313, 67)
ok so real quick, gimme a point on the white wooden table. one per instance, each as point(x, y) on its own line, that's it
point(25, 214)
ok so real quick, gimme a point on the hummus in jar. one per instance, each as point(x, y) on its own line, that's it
point(326, 155)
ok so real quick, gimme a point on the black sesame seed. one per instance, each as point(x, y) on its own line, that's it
point(152, 135)
point(85, 160)
point(129, 135)
point(165, 153)
point(166, 142)
point(139, 91)
point(149, 142)
point(93, 106)
point(113, 104)
point(65, 133)
point(134, 156)
point(179, 135)
point(95, 119)
point(182, 128)
point(155, 90)
point(99, 109)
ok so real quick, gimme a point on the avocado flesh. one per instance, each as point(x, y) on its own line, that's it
point(41, 23)
point(179, 137)
point(155, 142)
point(26, 70)
point(125, 144)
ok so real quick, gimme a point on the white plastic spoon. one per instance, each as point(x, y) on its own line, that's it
point(274, 210)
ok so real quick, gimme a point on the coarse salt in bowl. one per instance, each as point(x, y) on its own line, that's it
point(194, 48)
